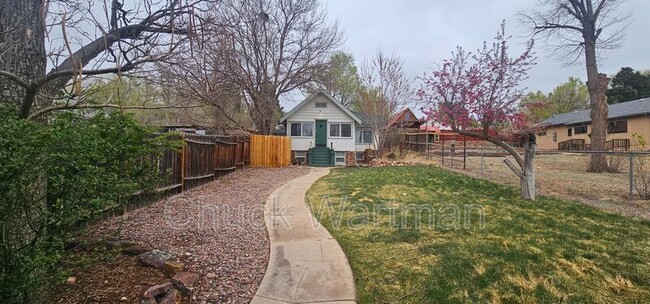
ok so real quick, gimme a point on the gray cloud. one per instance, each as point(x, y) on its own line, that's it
point(423, 32)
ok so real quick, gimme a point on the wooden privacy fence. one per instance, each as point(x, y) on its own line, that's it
point(270, 151)
point(202, 159)
point(205, 158)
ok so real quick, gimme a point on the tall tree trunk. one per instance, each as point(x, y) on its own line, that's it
point(265, 108)
point(528, 176)
point(22, 48)
point(597, 85)
point(263, 113)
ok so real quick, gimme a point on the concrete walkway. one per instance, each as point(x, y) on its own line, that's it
point(306, 264)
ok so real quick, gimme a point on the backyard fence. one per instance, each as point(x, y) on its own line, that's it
point(625, 176)
point(270, 151)
point(207, 157)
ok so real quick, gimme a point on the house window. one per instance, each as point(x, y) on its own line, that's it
point(580, 130)
point(569, 131)
point(364, 136)
point(617, 126)
point(302, 129)
point(321, 104)
point(361, 156)
point(541, 133)
point(300, 156)
point(340, 157)
point(341, 130)
point(433, 138)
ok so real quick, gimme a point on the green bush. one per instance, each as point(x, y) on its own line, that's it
point(54, 177)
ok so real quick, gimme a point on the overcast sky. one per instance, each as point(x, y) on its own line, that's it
point(423, 32)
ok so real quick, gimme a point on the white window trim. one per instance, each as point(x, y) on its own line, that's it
point(313, 128)
point(336, 157)
point(329, 126)
point(303, 157)
point(356, 139)
point(356, 156)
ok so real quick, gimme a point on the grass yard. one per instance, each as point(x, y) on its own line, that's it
point(432, 251)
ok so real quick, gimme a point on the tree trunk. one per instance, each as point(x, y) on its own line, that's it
point(528, 176)
point(597, 85)
point(22, 47)
point(263, 113)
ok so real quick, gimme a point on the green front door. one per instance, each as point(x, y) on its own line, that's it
point(321, 133)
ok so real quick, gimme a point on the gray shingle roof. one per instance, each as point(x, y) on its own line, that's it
point(363, 117)
point(620, 110)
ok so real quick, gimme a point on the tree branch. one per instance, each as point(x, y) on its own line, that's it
point(16, 78)
point(505, 146)
point(100, 106)
point(513, 168)
point(551, 26)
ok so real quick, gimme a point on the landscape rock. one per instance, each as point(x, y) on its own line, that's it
point(172, 267)
point(120, 243)
point(217, 249)
point(157, 290)
point(137, 250)
point(185, 282)
point(124, 299)
point(170, 298)
point(71, 280)
point(156, 258)
point(82, 243)
point(148, 301)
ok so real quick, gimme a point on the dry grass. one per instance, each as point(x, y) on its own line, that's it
point(561, 175)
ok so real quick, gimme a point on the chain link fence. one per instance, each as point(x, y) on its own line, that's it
point(619, 177)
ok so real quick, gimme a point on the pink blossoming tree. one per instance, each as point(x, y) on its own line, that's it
point(478, 95)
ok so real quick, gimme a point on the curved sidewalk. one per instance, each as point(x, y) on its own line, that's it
point(306, 264)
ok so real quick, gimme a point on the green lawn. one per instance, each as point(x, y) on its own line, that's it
point(414, 235)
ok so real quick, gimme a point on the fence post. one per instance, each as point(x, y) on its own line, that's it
point(183, 166)
point(464, 152)
point(428, 146)
point(482, 162)
point(443, 151)
point(631, 157)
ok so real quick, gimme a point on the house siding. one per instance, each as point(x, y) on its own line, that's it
point(639, 125)
point(333, 114)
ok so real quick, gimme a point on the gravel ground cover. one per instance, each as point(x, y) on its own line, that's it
point(217, 229)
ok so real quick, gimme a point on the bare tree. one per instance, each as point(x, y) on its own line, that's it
point(384, 89)
point(270, 48)
point(340, 78)
point(198, 78)
point(573, 28)
point(79, 38)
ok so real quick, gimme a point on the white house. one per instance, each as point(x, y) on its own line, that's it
point(323, 132)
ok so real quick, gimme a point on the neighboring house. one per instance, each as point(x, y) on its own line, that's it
point(323, 132)
point(404, 120)
point(572, 131)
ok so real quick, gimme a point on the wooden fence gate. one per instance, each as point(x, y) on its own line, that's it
point(270, 151)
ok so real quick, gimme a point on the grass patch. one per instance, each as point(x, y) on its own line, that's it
point(414, 235)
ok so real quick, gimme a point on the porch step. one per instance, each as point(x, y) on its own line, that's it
point(321, 156)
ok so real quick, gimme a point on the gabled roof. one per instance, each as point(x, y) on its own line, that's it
point(399, 115)
point(330, 97)
point(619, 110)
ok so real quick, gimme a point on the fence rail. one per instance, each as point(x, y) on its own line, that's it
point(625, 176)
point(205, 158)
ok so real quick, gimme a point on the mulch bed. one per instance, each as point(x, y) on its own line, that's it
point(217, 230)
